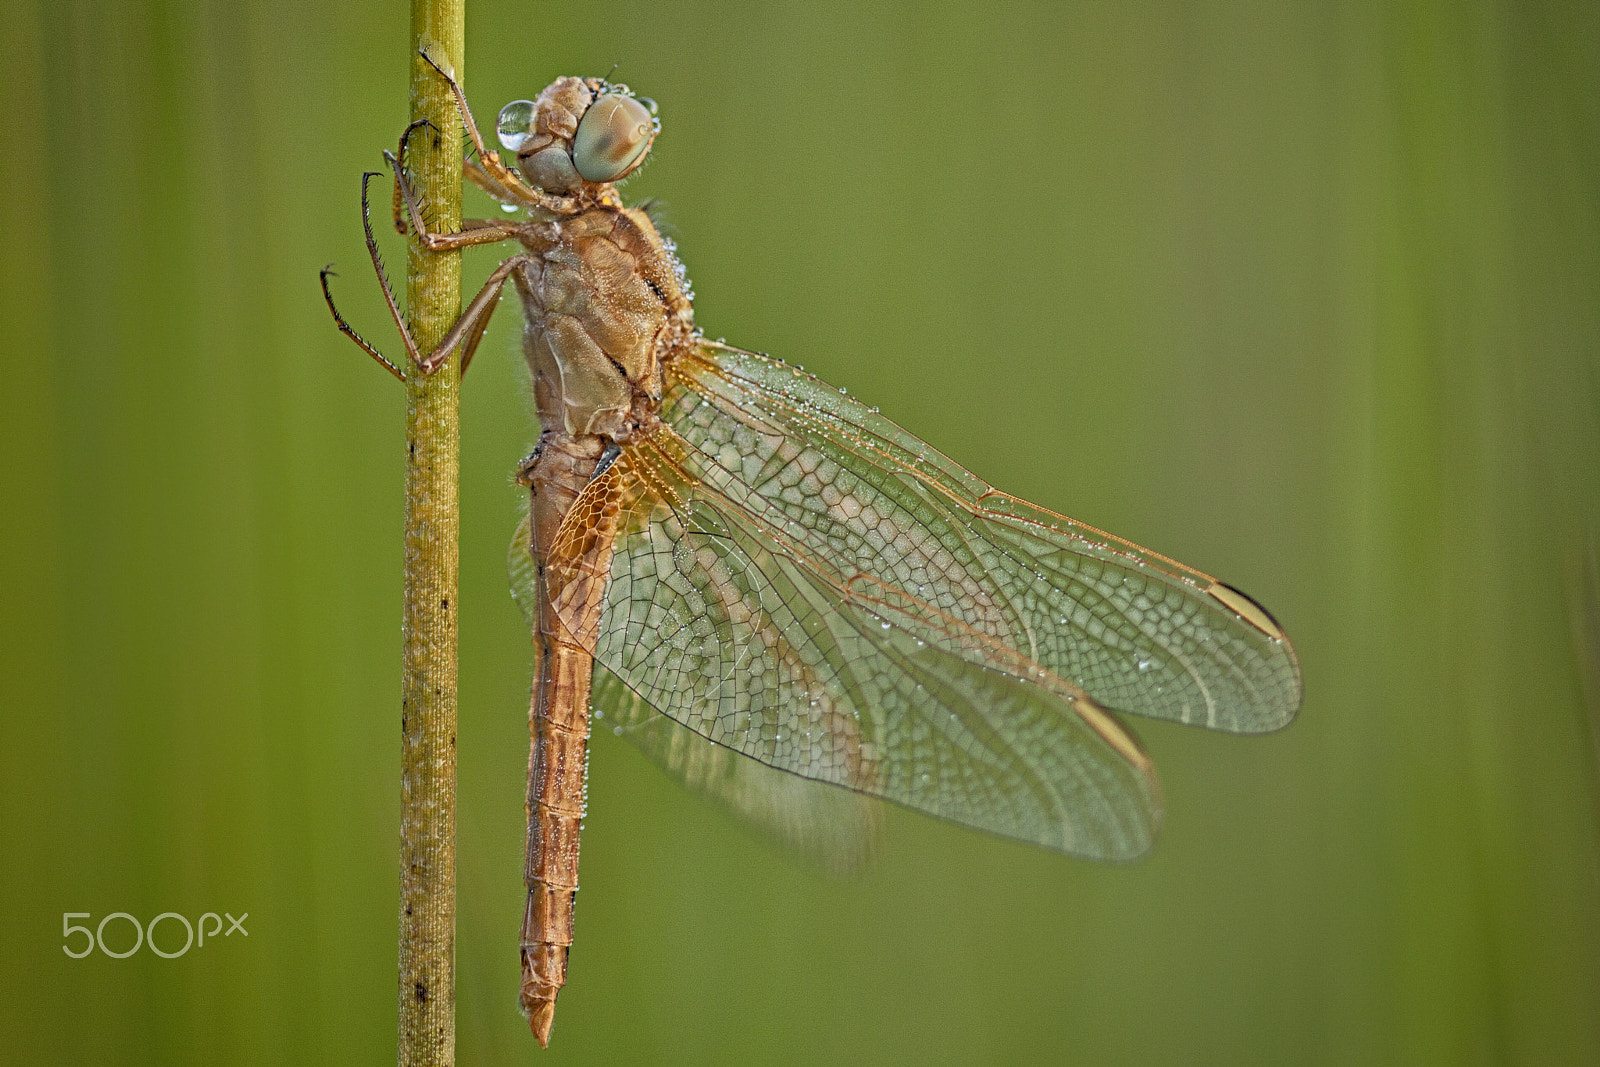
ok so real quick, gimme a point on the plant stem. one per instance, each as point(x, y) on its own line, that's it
point(427, 1032)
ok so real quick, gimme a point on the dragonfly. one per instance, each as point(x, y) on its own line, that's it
point(753, 572)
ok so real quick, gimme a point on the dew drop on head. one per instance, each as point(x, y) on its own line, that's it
point(514, 127)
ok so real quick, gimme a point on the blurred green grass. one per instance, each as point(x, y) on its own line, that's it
point(1308, 297)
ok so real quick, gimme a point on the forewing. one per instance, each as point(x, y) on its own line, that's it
point(742, 634)
point(1139, 632)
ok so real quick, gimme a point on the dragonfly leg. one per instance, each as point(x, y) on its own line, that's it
point(383, 283)
point(398, 207)
point(383, 277)
point(475, 174)
point(492, 166)
point(469, 170)
point(474, 232)
point(468, 330)
point(525, 468)
point(346, 329)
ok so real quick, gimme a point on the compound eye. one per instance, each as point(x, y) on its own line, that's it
point(612, 138)
point(514, 127)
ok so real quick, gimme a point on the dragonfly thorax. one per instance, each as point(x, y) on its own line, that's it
point(605, 309)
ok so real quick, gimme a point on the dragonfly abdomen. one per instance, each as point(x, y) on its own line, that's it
point(556, 763)
point(572, 572)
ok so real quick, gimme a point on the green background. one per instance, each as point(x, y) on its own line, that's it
point(1307, 296)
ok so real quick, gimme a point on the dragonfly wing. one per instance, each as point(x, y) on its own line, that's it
point(1139, 632)
point(801, 581)
point(833, 828)
point(757, 643)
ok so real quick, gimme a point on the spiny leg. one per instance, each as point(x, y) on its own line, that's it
point(469, 170)
point(383, 277)
point(383, 283)
point(467, 331)
point(398, 206)
point(492, 165)
point(467, 326)
point(475, 174)
point(474, 335)
point(346, 329)
point(480, 231)
point(475, 319)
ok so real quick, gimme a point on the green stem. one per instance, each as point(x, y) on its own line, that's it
point(432, 556)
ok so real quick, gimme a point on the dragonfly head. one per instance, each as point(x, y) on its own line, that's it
point(581, 132)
